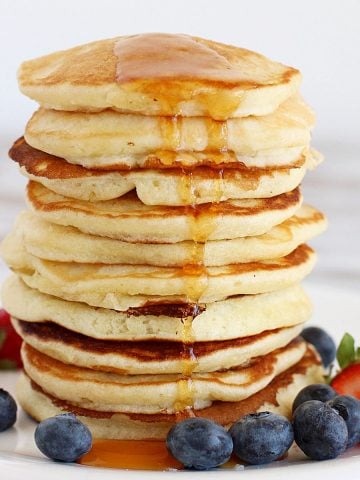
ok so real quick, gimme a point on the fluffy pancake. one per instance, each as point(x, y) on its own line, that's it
point(277, 397)
point(68, 244)
point(154, 187)
point(127, 219)
point(235, 317)
point(277, 158)
point(111, 392)
point(107, 138)
point(124, 286)
point(159, 74)
point(150, 357)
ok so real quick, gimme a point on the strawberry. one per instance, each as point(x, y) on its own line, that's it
point(10, 344)
point(347, 381)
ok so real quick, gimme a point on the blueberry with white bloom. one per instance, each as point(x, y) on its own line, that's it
point(63, 438)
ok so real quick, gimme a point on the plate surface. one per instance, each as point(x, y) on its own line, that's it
point(336, 309)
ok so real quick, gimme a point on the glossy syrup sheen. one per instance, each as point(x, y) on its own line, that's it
point(135, 455)
point(161, 55)
point(130, 454)
point(157, 64)
point(195, 283)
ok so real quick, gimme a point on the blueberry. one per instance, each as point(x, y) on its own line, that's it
point(319, 430)
point(8, 410)
point(261, 437)
point(199, 443)
point(317, 391)
point(63, 438)
point(323, 343)
point(349, 409)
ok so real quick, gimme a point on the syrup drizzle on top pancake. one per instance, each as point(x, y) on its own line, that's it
point(143, 60)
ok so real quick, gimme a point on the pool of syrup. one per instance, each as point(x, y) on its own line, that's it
point(135, 455)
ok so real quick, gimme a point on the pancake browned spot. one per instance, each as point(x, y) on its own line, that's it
point(164, 186)
point(42, 164)
point(239, 316)
point(37, 195)
point(39, 163)
point(154, 393)
point(151, 357)
point(128, 219)
point(224, 413)
point(145, 351)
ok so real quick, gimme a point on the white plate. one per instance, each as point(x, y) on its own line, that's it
point(336, 309)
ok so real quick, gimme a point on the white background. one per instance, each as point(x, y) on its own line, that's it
point(320, 37)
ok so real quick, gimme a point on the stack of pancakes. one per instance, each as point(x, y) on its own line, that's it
point(156, 273)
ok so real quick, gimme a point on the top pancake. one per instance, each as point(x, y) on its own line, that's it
point(159, 74)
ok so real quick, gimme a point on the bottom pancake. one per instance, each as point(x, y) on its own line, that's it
point(277, 396)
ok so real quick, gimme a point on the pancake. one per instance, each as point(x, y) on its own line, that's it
point(159, 74)
point(277, 397)
point(128, 219)
point(124, 286)
point(235, 317)
point(277, 158)
point(111, 392)
point(154, 187)
point(150, 357)
point(67, 244)
point(106, 138)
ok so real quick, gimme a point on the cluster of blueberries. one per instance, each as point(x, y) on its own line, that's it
point(324, 425)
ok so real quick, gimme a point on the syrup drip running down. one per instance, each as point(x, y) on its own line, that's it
point(177, 135)
point(195, 283)
point(201, 226)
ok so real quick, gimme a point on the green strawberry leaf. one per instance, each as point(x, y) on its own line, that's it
point(7, 365)
point(2, 338)
point(346, 351)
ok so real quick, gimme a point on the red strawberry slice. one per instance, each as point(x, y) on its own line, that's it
point(347, 382)
point(10, 343)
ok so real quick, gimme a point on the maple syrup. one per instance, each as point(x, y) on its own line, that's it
point(157, 65)
point(190, 159)
point(136, 455)
point(217, 134)
point(130, 454)
point(161, 55)
point(195, 280)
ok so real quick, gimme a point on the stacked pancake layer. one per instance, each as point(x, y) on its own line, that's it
point(157, 272)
